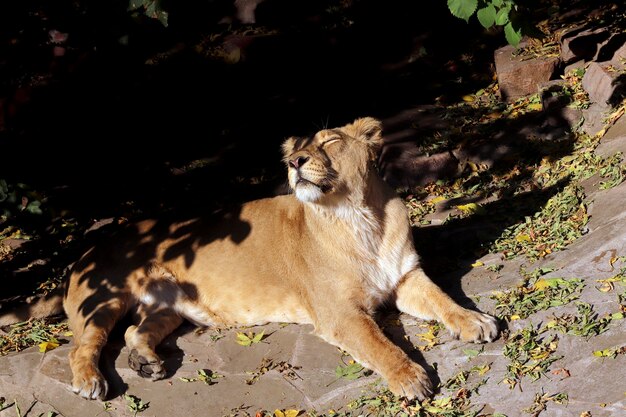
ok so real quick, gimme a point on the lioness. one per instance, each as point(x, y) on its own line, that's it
point(329, 254)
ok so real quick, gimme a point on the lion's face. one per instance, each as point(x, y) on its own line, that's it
point(333, 161)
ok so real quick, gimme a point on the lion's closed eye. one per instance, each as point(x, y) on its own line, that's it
point(330, 141)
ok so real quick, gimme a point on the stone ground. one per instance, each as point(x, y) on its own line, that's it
point(39, 382)
point(291, 369)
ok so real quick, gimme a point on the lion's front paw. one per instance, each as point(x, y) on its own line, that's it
point(90, 384)
point(472, 326)
point(410, 381)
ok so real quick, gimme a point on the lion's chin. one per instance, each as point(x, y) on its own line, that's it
point(308, 193)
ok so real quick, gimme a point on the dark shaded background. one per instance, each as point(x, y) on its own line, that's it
point(107, 127)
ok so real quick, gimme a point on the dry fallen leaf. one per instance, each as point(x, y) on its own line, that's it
point(47, 346)
point(286, 413)
point(564, 373)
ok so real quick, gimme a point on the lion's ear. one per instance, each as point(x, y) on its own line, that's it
point(288, 147)
point(368, 130)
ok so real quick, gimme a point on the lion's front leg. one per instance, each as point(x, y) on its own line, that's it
point(358, 334)
point(418, 296)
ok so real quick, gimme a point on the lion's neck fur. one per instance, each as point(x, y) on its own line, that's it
point(361, 216)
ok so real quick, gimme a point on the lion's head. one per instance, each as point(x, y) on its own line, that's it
point(333, 162)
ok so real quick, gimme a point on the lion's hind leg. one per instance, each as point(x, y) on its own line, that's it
point(155, 323)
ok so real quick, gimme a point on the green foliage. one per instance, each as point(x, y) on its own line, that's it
point(151, 8)
point(490, 13)
point(541, 294)
point(561, 221)
point(204, 376)
point(585, 323)
point(135, 404)
point(529, 354)
point(18, 197)
point(250, 338)
point(350, 372)
point(32, 332)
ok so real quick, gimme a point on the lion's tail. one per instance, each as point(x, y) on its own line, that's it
point(35, 307)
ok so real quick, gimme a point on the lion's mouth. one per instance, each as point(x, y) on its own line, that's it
point(324, 186)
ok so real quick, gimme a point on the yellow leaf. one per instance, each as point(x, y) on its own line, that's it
point(243, 339)
point(541, 284)
point(515, 317)
point(544, 283)
point(68, 334)
point(523, 237)
point(468, 98)
point(286, 413)
point(477, 264)
point(437, 199)
point(427, 337)
point(46, 346)
point(535, 107)
point(482, 370)
point(471, 208)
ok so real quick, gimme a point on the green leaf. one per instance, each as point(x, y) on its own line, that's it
point(258, 337)
point(162, 16)
point(487, 16)
point(250, 338)
point(471, 352)
point(497, 3)
point(512, 35)
point(33, 207)
point(4, 190)
point(349, 372)
point(463, 9)
point(135, 404)
point(243, 340)
point(502, 17)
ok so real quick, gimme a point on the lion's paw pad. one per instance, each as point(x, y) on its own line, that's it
point(146, 367)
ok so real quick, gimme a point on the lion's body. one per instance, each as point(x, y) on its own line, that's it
point(328, 255)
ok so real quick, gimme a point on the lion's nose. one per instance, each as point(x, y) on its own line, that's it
point(299, 161)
